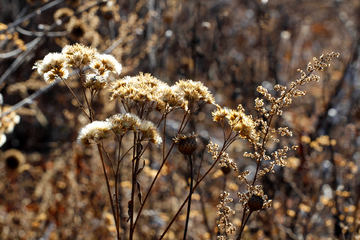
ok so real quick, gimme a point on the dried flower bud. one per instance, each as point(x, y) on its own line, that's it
point(186, 143)
point(255, 203)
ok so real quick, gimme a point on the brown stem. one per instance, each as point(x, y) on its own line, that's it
point(190, 194)
point(108, 187)
point(81, 106)
point(243, 224)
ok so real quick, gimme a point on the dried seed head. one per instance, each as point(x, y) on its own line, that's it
point(226, 170)
point(186, 143)
point(255, 203)
point(94, 132)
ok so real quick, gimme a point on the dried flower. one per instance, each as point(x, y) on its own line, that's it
point(254, 192)
point(224, 212)
point(173, 97)
point(195, 91)
point(150, 132)
point(238, 121)
point(95, 81)
point(220, 113)
point(122, 123)
point(94, 132)
point(78, 55)
point(52, 66)
point(141, 88)
point(104, 63)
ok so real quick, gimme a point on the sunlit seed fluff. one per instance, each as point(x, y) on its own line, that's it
point(93, 132)
point(195, 91)
point(78, 55)
point(53, 65)
point(110, 63)
point(149, 131)
point(172, 96)
point(220, 113)
point(122, 123)
point(95, 81)
point(131, 121)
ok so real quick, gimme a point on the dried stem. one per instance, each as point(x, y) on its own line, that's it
point(190, 194)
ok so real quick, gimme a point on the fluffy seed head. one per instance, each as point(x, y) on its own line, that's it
point(93, 132)
point(122, 123)
point(52, 66)
point(150, 132)
point(78, 55)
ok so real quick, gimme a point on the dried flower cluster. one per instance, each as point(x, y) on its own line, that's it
point(77, 56)
point(224, 211)
point(258, 132)
point(147, 90)
point(140, 95)
point(195, 91)
point(52, 66)
point(120, 124)
point(124, 187)
point(94, 132)
point(241, 123)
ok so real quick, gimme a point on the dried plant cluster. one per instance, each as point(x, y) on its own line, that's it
point(143, 94)
point(178, 120)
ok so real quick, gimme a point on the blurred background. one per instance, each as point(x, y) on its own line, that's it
point(52, 189)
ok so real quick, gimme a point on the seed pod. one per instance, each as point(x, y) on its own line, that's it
point(255, 203)
point(186, 143)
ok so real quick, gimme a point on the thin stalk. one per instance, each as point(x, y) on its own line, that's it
point(108, 187)
point(152, 184)
point(80, 105)
point(190, 194)
point(117, 181)
point(243, 224)
point(133, 175)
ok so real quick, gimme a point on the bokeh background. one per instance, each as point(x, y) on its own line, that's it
point(52, 189)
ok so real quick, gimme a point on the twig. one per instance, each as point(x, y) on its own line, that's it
point(20, 59)
point(33, 14)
